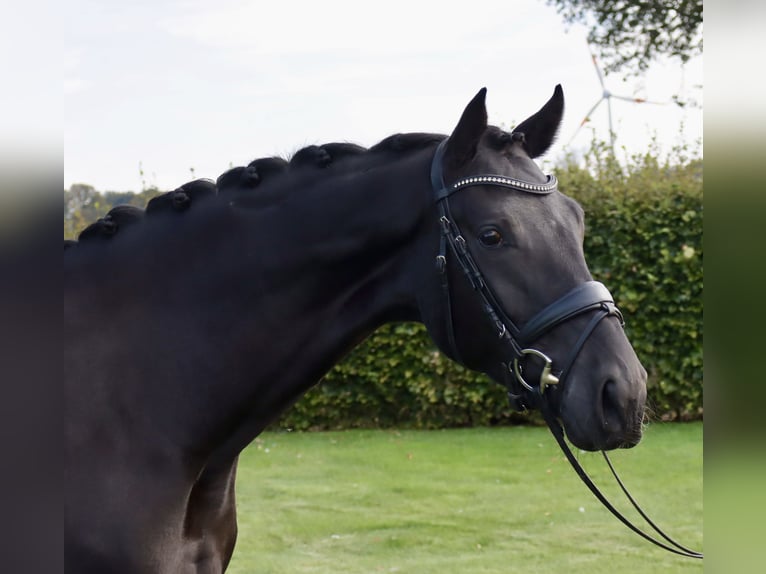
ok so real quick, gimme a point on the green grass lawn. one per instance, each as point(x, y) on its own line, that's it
point(463, 501)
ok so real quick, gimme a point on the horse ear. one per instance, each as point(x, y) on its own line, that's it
point(540, 129)
point(464, 140)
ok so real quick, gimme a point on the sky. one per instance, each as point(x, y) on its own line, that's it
point(157, 92)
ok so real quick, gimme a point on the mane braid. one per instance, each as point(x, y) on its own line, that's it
point(181, 199)
point(325, 154)
point(105, 228)
point(342, 150)
point(269, 166)
point(309, 156)
point(402, 143)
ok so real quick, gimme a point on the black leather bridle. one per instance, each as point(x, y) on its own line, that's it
point(589, 297)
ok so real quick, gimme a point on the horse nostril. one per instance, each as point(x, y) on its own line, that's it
point(622, 414)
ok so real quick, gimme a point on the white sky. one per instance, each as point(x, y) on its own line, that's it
point(180, 84)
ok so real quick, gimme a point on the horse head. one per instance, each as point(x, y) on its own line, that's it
point(513, 296)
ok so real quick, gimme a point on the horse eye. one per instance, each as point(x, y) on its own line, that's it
point(490, 237)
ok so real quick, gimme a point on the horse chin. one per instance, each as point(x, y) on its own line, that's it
point(591, 442)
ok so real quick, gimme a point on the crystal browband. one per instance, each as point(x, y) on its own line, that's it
point(505, 181)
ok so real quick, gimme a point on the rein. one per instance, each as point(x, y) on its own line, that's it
point(589, 297)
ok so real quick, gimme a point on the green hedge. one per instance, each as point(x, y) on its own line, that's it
point(643, 240)
point(397, 378)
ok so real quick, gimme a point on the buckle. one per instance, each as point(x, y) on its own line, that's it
point(546, 377)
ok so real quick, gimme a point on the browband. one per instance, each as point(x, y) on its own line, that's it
point(442, 191)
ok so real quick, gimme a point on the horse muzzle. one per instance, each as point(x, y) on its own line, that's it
point(606, 415)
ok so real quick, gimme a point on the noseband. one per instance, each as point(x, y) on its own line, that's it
point(589, 297)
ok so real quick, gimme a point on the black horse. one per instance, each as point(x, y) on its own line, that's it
point(194, 324)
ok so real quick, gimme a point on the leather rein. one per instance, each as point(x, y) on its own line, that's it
point(589, 297)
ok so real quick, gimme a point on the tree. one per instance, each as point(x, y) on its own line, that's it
point(81, 201)
point(83, 204)
point(630, 34)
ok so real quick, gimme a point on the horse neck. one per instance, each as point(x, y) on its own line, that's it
point(279, 295)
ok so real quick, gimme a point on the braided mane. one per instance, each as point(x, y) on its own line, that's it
point(245, 179)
